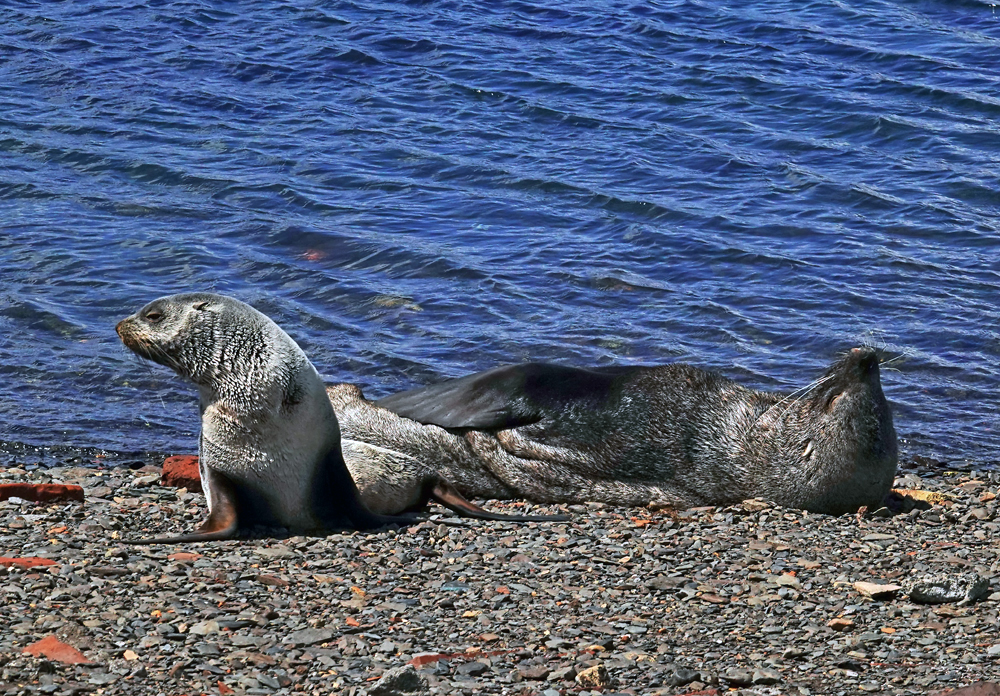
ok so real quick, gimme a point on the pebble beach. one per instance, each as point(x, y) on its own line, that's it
point(747, 599)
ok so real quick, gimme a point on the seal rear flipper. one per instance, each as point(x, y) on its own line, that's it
point(447, 495)
point(222, 522)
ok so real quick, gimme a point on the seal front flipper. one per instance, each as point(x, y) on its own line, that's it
point(504, 397)
point(222, 522)
point(441, 491)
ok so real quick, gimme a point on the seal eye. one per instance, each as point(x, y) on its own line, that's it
point(153, 317)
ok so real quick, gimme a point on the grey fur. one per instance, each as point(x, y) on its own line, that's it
point(270, 444)
point(670, 435)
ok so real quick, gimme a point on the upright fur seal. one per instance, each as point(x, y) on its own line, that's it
point(270, 454)
point(670, 435)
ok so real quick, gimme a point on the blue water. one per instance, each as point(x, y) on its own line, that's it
point(419, 190)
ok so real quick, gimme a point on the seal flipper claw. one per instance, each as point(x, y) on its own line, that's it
point(446, 494)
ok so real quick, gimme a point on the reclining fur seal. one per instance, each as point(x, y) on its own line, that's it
point(269, 452)
point(671, 435)
point(390, 480)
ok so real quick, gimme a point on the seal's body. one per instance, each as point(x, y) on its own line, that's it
point(270, 456)
point(669, 435)
point(393, 469)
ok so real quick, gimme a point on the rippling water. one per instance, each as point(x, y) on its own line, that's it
point(419, 190)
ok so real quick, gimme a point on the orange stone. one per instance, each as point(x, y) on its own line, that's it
point(183, 556)
point(428, 658)
point(26, 562)
point(181, 472)
point(54, 649)
point(41, 492)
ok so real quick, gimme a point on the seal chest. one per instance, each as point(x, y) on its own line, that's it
point(269, 450)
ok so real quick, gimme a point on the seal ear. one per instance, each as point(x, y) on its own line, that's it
point(201, 305)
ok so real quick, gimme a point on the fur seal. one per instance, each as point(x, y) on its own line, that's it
point(269, 451)
point(391, 480)
point(670, 435)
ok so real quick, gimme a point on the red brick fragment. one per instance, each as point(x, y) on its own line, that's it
point(181, 472)
point(422, 659)
point(54, 649)
point(26, 562)
point(183, 556)
point(41, 492)
point(223, 689)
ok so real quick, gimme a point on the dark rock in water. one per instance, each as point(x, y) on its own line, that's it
point(941, 589)
point(399, 681)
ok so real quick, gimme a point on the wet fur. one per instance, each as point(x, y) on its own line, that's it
point(669, 435)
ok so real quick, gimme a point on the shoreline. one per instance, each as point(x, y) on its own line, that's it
point(747, 599)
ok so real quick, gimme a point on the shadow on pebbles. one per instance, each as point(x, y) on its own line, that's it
point(748, 599)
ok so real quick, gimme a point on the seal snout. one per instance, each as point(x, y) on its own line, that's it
point(865, 361)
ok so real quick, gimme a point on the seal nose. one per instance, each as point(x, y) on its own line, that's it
point(867, 359)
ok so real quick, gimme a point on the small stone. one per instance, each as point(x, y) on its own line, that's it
point(993, 650)
point(472, 669)
point(181, 472)
point(939, 589)
point(562, 674)
point(204, 628)
point(26, 562)
point(41, 492)
point(54, 649)
point(841, 624)
point(787, 580)
point(981, 688)
point(877, 592)
point(766, 677)
point(595, 678)
point(309, 636)
point(399, 681)
point(534, 673)
point(738, 677)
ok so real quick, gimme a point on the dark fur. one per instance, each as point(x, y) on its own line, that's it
point(673, 435)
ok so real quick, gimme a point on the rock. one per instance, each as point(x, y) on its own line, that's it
point(595, 677)
point(766, 677)
point(562, 674)
point(472, 669)
point(841, 624)
point(940, 589)
point(738, 677)
point(183, 556)
point(41, 492)
point(421, 659)
point(309, 636)
point(181, 472)
point(877, 592)
point(682, 676)
point(204, 628)
point(26, 562)
point(54, 649)
point(534, 673)
point(399, 681)
point(977, 689)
